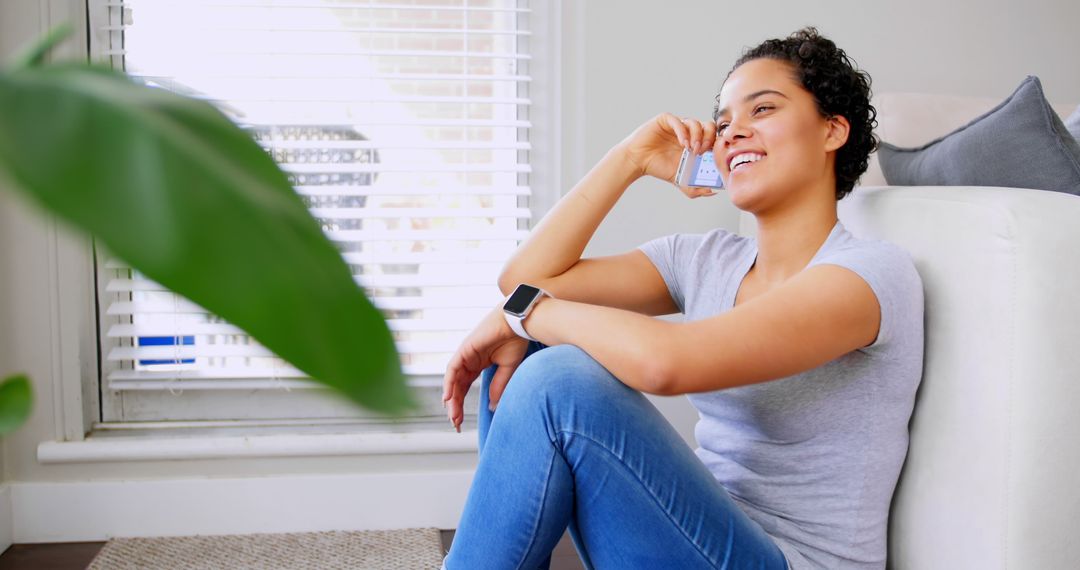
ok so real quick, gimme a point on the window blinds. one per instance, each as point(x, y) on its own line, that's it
point(403, 126)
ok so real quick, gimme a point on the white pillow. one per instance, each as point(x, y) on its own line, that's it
point(1073, 124)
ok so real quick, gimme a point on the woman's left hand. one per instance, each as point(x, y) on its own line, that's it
point(491, 342)
point(656, 147)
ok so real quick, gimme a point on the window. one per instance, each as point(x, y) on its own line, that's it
point(404, 125)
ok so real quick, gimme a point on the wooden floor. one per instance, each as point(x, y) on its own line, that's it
point(76, 555)
point(49, 556)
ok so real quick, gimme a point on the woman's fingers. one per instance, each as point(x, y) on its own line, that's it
point(453, 370)
point(459, 376)
point(450, 379)
point(697, 191)
point(456, 405)
point(655, 147)
point(491, 342)
point(708, 135)
point(682, 133)
point(696, 134)
point(702, 137)
point(691, 133)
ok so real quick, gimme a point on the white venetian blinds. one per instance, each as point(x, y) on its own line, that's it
point(404, 126)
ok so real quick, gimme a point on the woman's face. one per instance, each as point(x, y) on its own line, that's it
point(772, 144)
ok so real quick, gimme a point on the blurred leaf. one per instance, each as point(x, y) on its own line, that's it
point(16, 400)
point(35, 54)
point(174, 188)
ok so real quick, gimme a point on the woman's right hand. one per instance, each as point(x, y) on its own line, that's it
point(655, 147)
point(491, 342)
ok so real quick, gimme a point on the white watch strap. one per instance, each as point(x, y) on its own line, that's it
point(519, 328)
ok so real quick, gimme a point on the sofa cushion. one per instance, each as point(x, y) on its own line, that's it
point(912, 119)
point(1019, 143)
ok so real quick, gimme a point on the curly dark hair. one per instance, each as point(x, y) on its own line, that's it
point(838, 87)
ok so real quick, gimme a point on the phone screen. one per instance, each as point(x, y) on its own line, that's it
point(705, 172)
point(699, 170)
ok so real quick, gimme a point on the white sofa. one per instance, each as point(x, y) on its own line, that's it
point(990, 479)
point(992, 476)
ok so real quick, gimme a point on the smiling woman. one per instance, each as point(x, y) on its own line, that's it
point(801, 349)
point(828, 73)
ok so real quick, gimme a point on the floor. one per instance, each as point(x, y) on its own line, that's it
point(55, 556)
point(77, 555)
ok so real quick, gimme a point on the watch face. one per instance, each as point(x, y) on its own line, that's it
point(520, 299)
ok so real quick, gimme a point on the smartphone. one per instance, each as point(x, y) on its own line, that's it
point(698, 170)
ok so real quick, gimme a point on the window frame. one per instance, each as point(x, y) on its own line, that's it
point(545, 92)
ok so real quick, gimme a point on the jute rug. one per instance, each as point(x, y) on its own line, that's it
point(412, 549)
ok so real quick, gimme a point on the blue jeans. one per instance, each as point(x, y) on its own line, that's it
point(571, 445)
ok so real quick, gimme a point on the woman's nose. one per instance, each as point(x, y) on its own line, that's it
point(733, 130)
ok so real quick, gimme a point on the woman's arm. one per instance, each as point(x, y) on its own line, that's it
point(816, 316)
point(551, 257)
point(555, 245)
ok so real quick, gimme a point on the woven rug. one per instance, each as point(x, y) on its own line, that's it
point(412, 549)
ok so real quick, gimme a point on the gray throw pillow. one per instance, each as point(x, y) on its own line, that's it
point(1021, 143)
point(1073, 124)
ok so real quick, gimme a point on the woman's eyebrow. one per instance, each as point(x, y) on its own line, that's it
point(753, 96)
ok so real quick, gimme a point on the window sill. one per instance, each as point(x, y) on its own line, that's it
point(153, 448)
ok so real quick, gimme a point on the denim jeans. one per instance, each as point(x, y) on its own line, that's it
point(569, 445)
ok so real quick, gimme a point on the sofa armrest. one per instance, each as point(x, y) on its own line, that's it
point(990, 477)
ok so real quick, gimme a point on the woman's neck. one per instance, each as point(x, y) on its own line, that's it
point(787, 242)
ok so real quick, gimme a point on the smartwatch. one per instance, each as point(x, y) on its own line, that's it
point(519, 304)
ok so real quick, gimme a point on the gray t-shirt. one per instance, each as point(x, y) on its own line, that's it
point(813, 458)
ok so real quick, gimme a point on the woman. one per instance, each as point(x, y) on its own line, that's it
point(801, 350)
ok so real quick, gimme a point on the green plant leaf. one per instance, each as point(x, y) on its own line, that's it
point(16, 400)
point(35, 54)
point(174, 188)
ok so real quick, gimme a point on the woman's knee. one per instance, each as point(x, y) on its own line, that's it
point(563, 369)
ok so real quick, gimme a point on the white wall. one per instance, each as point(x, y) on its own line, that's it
point(640, 60)
point(625, 61)
point(8, 35)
